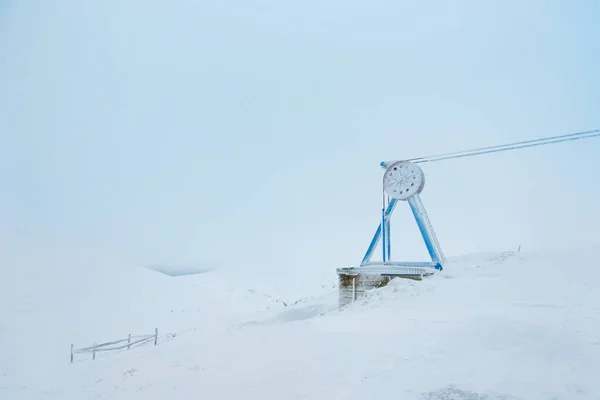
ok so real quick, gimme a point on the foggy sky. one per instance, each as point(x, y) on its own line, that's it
point(250, 133)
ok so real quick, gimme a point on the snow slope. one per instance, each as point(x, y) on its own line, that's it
point(490, 326)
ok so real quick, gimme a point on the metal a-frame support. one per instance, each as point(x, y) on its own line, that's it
point(425, 227)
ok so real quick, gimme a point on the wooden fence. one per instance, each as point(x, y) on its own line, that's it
point(115, 345)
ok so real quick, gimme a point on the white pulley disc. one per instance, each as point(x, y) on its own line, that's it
point(403, 179)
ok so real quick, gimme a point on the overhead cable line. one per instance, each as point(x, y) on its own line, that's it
point(504, 147)
point(550, 139)
point(515, 146)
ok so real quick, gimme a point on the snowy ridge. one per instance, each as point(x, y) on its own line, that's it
point(490, 326)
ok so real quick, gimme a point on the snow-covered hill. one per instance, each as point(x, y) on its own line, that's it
point(490, 326)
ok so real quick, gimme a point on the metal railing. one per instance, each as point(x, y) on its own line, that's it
point(115, 345)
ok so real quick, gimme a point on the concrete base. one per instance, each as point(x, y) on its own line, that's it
point(353, 285)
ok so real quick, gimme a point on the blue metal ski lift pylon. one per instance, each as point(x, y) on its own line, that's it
point(402, 181)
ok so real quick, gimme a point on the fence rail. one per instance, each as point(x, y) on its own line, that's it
point(115, 345)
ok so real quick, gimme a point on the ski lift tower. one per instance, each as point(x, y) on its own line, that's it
point(403, 181)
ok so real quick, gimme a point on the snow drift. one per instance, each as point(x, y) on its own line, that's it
point(490, 326)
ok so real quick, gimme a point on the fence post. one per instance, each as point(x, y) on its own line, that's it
point(94, 352)
point(155, 336)
point(518, 251)
point(129, 341)
point(353, 289)
point(71, 352)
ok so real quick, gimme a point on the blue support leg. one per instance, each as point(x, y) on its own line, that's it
point(426, 229)
point(377, 236)
point(388, 239)
point(384, 233)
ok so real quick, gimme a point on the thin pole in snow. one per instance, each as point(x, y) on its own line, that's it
point(129, 341)
point(383, 228)
point(155, 336)
point(94, 352)
point(71, 352)
point(383, 235)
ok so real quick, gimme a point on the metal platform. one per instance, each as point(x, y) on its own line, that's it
point(388, 270)
point(354, 282)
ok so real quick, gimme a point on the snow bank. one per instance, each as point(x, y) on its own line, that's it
point(490, 326)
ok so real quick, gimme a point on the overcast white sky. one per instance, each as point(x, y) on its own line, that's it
point(225, 132)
